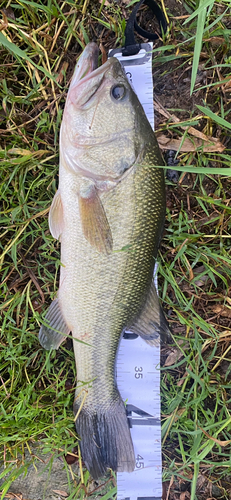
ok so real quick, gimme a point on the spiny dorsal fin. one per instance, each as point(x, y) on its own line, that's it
point(95, 225)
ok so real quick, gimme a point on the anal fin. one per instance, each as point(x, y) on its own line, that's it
point(56, 330)
point(151, 325)
point(95, 225)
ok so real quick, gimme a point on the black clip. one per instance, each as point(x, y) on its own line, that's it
point(131, 47)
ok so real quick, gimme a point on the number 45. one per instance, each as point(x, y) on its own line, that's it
point(139, 463)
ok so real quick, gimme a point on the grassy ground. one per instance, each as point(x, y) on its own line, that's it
point(40, 44)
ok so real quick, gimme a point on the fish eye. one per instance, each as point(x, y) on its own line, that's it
point(118, 92)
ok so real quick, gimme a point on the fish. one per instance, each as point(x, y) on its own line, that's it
point(108, 213)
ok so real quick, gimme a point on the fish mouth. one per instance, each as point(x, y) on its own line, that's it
point(87, 65)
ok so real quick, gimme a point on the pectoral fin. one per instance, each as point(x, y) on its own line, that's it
point(56, 217)
point(56, 330)
point(151, 324)
point(95, 225)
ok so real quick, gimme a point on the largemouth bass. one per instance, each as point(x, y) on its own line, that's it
point(109, 213)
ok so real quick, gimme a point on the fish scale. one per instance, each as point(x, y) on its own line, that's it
point(109, 211)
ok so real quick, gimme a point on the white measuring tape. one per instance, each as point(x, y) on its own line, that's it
point(138, 379)
point(138, 373)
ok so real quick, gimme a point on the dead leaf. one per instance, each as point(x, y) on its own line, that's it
point(201, 281)
point(222, 310)
point(200, 135)
point(63, 70)
point(8, 11)
point(189, 145)
point(19, 151)
point(201, 480)
point(212, 143)
point(225, 83)
point(184, 495)
point(60, 492)
point(216, 40)
point(173, 357)
point(104, 54)
point(14, 496)
point(218, 441)
point(4, 22)
point(199, 270)
point(71, 458)
point(175, 119)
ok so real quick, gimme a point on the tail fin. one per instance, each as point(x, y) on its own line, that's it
point(105, 438)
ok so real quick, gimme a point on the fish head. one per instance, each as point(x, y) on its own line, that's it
point(99, 133)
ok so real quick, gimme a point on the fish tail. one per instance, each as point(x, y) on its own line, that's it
point(105, 438)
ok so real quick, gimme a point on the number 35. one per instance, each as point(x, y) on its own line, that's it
point(138, 371)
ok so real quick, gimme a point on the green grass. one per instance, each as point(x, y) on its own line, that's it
point(39, 45)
